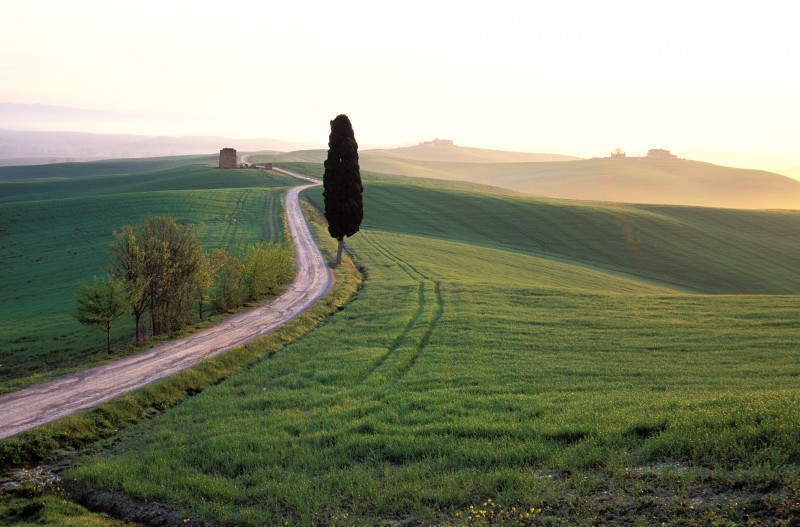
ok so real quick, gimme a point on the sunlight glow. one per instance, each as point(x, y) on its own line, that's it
point(573, 77)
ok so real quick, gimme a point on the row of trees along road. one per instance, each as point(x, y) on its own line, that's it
point(160, 271)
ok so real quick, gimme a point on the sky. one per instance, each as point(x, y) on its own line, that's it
point(710, 80)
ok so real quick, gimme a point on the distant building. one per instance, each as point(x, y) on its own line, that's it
point(437, 142)
point(618, 154)
point(658, 153)
point(227, 158)
point(268, 166)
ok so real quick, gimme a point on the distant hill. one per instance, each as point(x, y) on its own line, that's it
point(389, 160)
point(438, 150)
point(629, 180)
point(641, 180)
point(27, 147)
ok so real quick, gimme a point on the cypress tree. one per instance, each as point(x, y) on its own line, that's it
point(344, 209)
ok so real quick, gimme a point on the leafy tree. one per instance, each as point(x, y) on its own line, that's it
point(128, 264)
point(159, 262)
point(203, 282)
point(266, 266)
point(100, 303)
point(172, 260)
point(229, 291)
point(344, 209)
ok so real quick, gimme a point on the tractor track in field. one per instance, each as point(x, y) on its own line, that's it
point(48, 401)
point(401, 339)
point(406, 267)
point(238, 208)
point(413, 325)
point(426, 337)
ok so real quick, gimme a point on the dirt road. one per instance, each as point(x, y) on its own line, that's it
point(42, 403)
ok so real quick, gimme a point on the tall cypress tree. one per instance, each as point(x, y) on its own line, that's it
point(344, 209)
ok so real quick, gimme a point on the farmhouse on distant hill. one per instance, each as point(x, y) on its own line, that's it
point(437, 142)
point(658, 153)
point(227, 158)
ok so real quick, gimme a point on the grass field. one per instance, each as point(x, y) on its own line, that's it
point(101, 168)
point(709, 250)
point(523, 360)
point(55, 232)
point(698, 249)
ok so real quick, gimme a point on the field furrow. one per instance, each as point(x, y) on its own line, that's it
point(401, 339)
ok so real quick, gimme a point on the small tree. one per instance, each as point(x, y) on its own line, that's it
point(158, 261)
point(172, 259)
point(344, 209)
point(101, 302)
point(128, 265)
point(203, 282)
point(228, 292)
point(266, 267)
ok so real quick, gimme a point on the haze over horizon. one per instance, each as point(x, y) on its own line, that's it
point(578, 78)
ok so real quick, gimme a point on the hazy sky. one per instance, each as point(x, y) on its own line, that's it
point(563, 76)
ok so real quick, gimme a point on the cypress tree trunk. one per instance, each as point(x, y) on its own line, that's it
point(339, 251)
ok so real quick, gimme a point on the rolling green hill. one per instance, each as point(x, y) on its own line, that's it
point(185, 177)
point(100, 168)
point(699, 249)
point(54, 234)
point(509, 355)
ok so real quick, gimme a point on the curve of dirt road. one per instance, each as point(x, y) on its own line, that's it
point(42, 403)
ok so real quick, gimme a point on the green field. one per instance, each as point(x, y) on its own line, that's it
point(541, 354)
point(108, 167)
point(55, 233)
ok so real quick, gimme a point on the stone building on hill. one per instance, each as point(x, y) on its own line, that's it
point(618, 154)
point(437, 142)
point(227, 158)
point(658, 153)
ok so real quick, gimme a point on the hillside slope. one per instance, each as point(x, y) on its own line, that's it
point(108, 167)
point(195, 177)
point(698, 249)
point(630, 180)
point(674, 182)
point(370, 159)
point(463, 154)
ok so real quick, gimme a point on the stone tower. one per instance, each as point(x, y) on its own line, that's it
point(227, 158)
